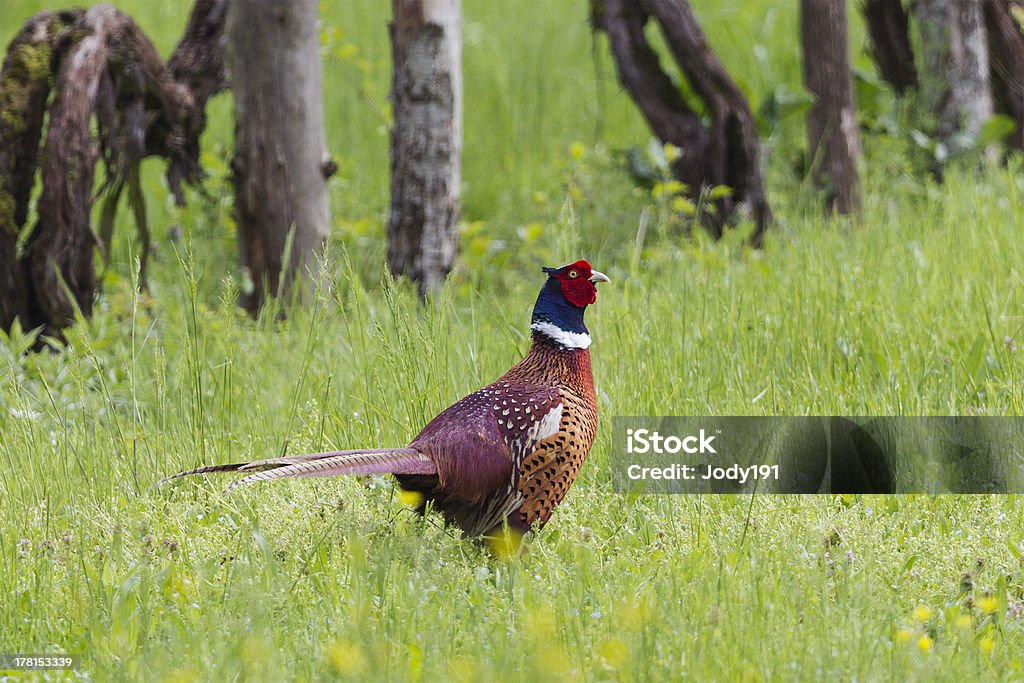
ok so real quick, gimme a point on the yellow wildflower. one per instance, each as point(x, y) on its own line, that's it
point(505, 544)
point(613, 653)
point(410, 498)
point(182, 676)
point(988, 604)
point(540, 624)
point(462, 669)
point(553, 660)
point(346, 657)
point(633, 614)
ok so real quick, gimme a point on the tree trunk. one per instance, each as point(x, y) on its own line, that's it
point(280, 166)
point(831, 122)
point(426, 140)
point(724, 150)
point(1006, 55)
point(888, 26)
point(954, 77)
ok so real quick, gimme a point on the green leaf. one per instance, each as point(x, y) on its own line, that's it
point(975, 359)
point(780, 104)
point(640, 168)
point(719, 192)
point(656, 153)
point(874, 99)
point(881, 362)
point(922, 140)
point(996, 129)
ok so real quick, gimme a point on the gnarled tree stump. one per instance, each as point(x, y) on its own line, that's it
point(723, 151)
point(103, 68)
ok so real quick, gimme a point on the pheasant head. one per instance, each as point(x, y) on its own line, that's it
point(558, 313)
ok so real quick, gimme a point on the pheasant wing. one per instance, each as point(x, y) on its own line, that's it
point(478, 446)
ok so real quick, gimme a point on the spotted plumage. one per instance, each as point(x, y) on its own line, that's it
point(505, 454)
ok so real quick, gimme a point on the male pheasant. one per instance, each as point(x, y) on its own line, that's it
point(505, 454)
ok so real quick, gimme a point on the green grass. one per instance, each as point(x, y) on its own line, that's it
point(904, 310)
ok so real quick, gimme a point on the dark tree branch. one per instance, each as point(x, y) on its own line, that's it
point(24, 89)
point(725, 151)
point(59, 253)
point(1006, 62)
point(198, 64)
point(888, 27)
point(654, 92)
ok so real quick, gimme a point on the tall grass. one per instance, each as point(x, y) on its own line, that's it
point(915, 307)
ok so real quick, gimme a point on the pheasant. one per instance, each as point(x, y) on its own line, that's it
point(503, 455)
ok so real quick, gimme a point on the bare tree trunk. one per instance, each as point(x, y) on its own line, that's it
point(280, 166)
point(831, 122)
point(954, 77)
point(723, 151)
point(889, 28)
point(426, 140)
point(1006, 55)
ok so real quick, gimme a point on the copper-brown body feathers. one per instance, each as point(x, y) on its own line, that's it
point(496, 459)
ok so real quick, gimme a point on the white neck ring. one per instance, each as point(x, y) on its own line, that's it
point(569, 340)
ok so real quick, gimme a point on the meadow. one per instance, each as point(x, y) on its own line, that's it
point(913, 307)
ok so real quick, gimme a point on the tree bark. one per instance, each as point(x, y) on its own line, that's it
point(888, 26)
point(1006, 56)
point(24, 90)
point(100, 67)
point(831, 122)
point(426, 140)
point(724, 150)
point(59, 253)
point(955, 73)
point(280, 166)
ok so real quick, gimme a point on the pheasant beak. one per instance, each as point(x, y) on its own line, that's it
point(597, 276)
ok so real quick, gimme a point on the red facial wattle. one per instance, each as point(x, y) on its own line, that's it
point(576, 285)
point(579, 291)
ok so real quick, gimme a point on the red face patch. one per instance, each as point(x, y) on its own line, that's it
point(576, 284)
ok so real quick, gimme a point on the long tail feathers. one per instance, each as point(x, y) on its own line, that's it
point(333, 463)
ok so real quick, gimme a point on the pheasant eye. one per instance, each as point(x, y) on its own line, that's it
point(573, 274)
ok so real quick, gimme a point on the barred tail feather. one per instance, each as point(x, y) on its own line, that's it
point(208, 469)
point(397, 461)
point(329, 464)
